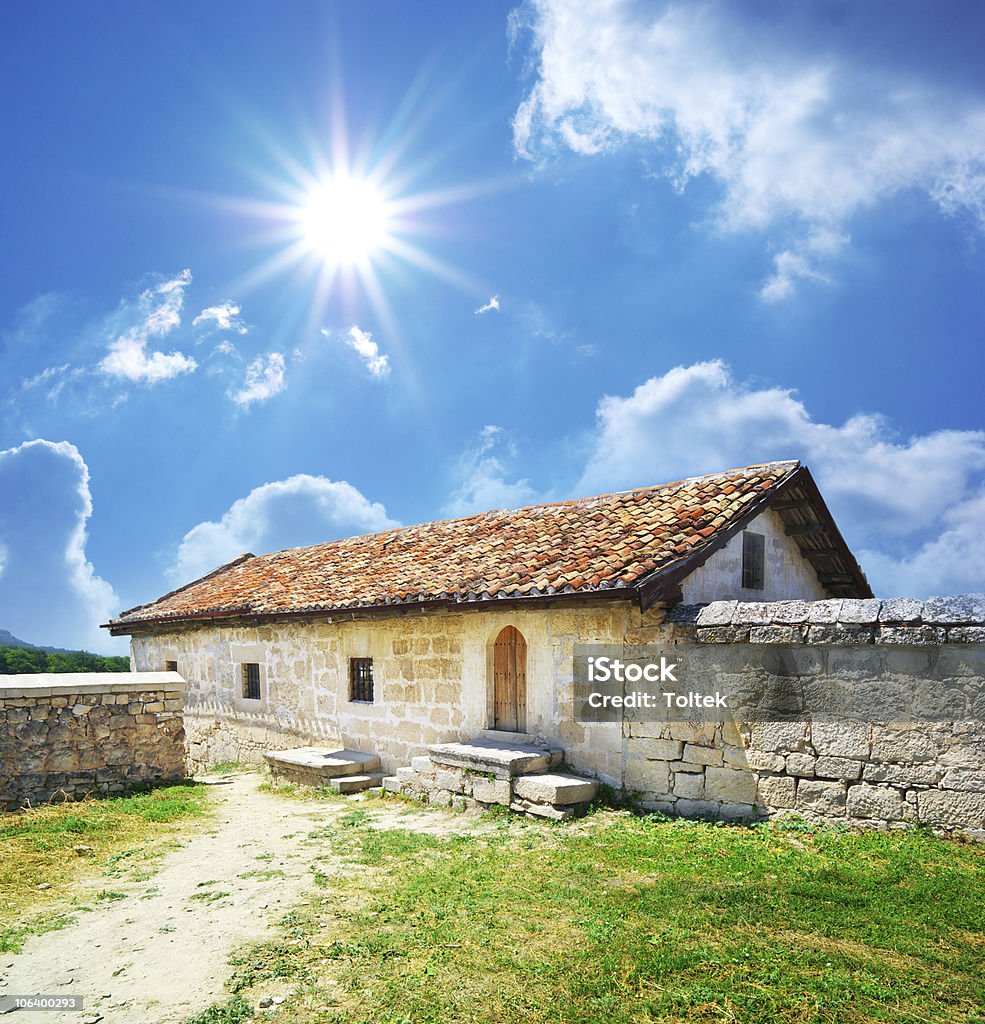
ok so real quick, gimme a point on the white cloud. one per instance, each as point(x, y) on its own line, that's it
point(951, 563)
point(797, 146)
point(160, 313)
point(51, 593)
point(225, 317)
point(491, 306)
point(361, 342)
point(885, 491)
point(483, 472)
point(300, 510)
point(263, 380)
point(4, 555)
point(55, 376)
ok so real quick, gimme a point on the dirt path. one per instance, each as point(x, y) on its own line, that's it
point(161, 953)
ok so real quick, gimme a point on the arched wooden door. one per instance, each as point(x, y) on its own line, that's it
point(510, 681)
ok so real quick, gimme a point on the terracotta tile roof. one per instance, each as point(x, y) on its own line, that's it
point(613, 541)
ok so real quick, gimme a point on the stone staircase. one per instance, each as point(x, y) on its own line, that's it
point(509, 769)
point(347, 771)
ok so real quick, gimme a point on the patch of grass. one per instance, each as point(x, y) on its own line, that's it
point(209, 896)
point(13, 936)
point(293, 791)
point(232, 1012)
point(627, 920)
point(225, 767)
point(263, 874)
point(109, 896)
point(40, 844)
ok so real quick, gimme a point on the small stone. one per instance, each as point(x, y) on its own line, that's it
point(265, 1001)
point(44, 885)
point(278, 1000)
point(83, 851)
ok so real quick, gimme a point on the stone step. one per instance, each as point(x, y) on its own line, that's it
point(356, 783)
point(556, 788)
point(542, 810)
point(501, 736)
point(503, 760)
point(391, 784)
point(315, 766)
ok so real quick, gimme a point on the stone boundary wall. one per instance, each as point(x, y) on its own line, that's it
point(952, 620)
point(65, 736)
point(878, 774)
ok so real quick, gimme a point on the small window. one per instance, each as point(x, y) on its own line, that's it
point(251, 681)
point(361, 679)
point(753, 561)
point(170, 666)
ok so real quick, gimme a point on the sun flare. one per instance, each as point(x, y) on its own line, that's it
point(344, 220)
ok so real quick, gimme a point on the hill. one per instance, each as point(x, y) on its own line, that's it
point(19, 657)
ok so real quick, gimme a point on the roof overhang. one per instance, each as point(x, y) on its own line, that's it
point(806, 519)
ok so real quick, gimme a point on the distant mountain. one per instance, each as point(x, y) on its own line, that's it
point(7, 639)
point(17, 657)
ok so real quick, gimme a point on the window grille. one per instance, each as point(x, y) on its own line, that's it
point(361, 679)
point(251, 681)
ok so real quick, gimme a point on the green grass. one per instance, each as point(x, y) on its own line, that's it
point(118, 836)
point(233, 1012)
point(626, 920)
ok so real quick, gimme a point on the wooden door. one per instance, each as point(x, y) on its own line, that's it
point(510, 681)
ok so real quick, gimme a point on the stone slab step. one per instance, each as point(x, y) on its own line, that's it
point(391, 784)
point(501, 736)
point(322, 764)
point(503, 760)
point(542, 810)
point(556, 788)
point(356, 783)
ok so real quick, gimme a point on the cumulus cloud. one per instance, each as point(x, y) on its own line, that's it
point(361, 342)
point(492, 306)
point(263, 380)
point(224, 317)
point(483, 470)
point(300, 510)
point(798, 144)
point(885, 491)
point(951, 563)
point(51, 593)
point(159, 309)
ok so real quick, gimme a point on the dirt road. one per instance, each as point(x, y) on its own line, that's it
point(157, 950)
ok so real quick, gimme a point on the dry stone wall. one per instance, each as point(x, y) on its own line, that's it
point(882, 773)
point(63, 737)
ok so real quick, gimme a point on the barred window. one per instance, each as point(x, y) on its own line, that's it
point(251, 681)
point(753, 561)
point(361, 679)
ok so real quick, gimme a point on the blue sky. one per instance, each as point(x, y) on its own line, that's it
point(279, 273)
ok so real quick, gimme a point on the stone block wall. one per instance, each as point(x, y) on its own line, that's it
point(65, 736)
point(874, 773)
point(432, 680)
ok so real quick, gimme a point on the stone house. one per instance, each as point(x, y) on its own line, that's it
point(394, 641)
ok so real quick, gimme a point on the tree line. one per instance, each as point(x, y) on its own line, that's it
point(30, 660)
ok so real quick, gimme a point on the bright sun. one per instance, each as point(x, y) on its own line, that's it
point(344, 221)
